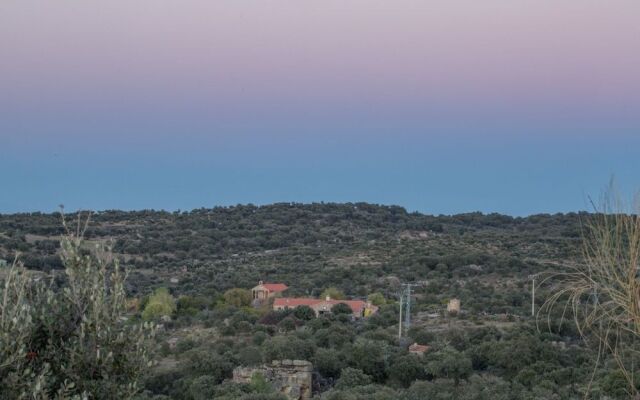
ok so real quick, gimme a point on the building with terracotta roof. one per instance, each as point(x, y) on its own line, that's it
point(320, 307)
point(418, 349)
point(265, 291)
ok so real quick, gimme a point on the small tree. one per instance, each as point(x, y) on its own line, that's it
point(161, 303)
point(341, 308)
point(328, 362)
point(377, 299)
point(304, 313)
point(259, 383)
point(407, 369)
point(351, 377)
point(238, 297)
point(450, 364)
point(203, 387)
point(333, 293)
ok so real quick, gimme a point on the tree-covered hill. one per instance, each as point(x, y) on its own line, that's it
point(205, 259)
point(308, 245)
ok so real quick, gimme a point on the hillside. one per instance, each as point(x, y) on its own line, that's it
point(328, 243)
point(359, 249)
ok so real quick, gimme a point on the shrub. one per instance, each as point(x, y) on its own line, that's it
point(238, 297)
point(377, 299)
point(333, 293)
point(304, 313)
point(341, 308)
point(160, 304)
point(72, 340)
point(350, 377)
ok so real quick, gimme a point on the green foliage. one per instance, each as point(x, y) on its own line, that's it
point(160, 304)
point(70, 341)
point(190, 306)
point(288, 324)
point(287, 348)
point(217, 366)
point(328, 362)
point(377, 299)
point(615, 384)
point(259, 384)
point(304, 313)
point(333, 293)
point(250, 355)
point(203, 387)
point(369, 356)
point(350, 377)
point(238, 297)
point(341, 308)
point(449, 363)
point(362, 250)
point(406, 369)
point(369, 392)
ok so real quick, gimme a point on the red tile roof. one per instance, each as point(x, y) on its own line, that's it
point(275, 287)
point(356, 305)
point(418, 348)
point(293, 302)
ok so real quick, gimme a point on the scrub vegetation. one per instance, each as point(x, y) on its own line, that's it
point(189, 274)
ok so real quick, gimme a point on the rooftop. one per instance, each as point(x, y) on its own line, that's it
point(272, 287)
point(418, 348)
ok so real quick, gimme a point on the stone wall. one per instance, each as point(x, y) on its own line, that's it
point(290, 377)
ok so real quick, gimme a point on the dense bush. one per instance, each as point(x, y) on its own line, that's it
point(68, 341)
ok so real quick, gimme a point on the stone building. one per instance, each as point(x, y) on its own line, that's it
point(293, 378)
point(454, 306)
point(266, 291)
point(359, 308)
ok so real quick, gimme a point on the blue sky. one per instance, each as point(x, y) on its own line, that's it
point(434, 173)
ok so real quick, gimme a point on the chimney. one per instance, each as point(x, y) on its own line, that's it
point(328, 298)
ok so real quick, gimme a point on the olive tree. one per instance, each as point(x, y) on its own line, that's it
point(70, 340)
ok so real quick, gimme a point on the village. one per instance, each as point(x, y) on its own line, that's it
point(294, 378)
point(267, 292)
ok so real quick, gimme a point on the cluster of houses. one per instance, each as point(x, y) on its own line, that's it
point(266, 291)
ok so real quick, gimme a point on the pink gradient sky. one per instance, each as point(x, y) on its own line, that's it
point(525, 56)
point(227, 78)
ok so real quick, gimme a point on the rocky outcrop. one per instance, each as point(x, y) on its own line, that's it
point(289, 377)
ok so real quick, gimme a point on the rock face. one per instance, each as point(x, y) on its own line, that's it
point(289, 377)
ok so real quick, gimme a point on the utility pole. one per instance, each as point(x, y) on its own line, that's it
point(405, 292)
point(533, 294)
point(400, 320)
point(407, 316)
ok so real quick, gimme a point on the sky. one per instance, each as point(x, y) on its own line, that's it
point(518, 107)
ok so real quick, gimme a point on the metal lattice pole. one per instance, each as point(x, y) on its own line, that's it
point(407, 317)
point(400, 319)
point(533, 294)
